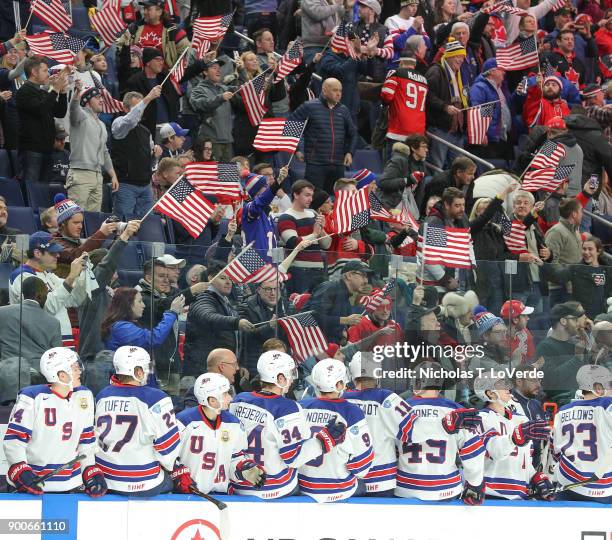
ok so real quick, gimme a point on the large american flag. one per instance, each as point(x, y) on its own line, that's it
point(215, 178)
point(506, 6)
point(351, 210)
point(290, 60)
point(254, 97)
point(515, 239)
point(518, 56)
point(478, 121)
point(212, 28)
point(340, 41)
point(110, 105)
point(53, 13)
point(185, 204)
point(447, 246)
point(55, 45)
point(547, 179)
point(278, 134)
point(249, 267)
point(372, 301)
point(304, 335)
point(109, 24)
point(548, 155)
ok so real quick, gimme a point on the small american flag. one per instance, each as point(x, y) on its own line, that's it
point(109, 24)
point(185, 204)
point(214, 178)
point(547, 179)
point(377, 210)
point(558, 5)
point(55, 45)
point(278, 134)
point(506, 6)
point(364, 177)
point(254, 97)
point(201, 46)
point(290, 60)
point(548, 155)
point(518, 56)
point(515, 239)
point(340, 41)
point(178, 72)
point(405, 217)
point(53, 13)
point(372, 301)
point(212, 28)
point(249, 267)
point(304, 335)
point(447, 246)
point(351, 210)
point(478, 121)
point(109, 103)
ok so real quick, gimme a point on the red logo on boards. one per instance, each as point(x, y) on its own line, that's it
point(197, 529)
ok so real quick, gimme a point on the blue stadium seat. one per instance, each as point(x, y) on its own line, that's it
point(169, 230)
point(129, 278)
point(22, 218)
point(151, 229)
point(80, 20)
point(132, 258)
point(54, 189)
point(92, 221)
point(38, 194)
point(6, 171)
point(11, 191)
point(367, 159)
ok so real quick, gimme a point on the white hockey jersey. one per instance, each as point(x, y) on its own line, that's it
point(333, 476)
point(46, 431)
point(582, 436)
point(137, 435)
point(508, 468)
point(389, 420)
point(428, 470)
point(211, 450)
point(278, 439)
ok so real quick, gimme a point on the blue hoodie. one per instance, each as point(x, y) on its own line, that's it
point(483, 91)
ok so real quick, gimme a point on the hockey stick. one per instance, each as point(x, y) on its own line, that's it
point(224, 521)
point(600, 471)
point(219, 504)
point(41, 479)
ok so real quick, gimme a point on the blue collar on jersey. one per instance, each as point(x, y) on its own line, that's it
point(266, 395)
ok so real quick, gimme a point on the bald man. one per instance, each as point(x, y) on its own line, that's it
point(330, 138)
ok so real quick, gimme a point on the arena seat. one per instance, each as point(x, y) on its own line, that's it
point(131, 259)
point(93, 220)
point(38, 194)
point(367, 159)
point(22, 218)
point(129, 278)
point(11, 191)
point(151, 229)
point(80, 19)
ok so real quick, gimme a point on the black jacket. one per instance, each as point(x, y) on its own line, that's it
point(438, 97)
point(330, 301)
point(212, 323)
point(437, 186)
point(255, 311)
point(37, 110)
point(596, 149)
point(140, 83)
point(487, 236)
point(396, 176)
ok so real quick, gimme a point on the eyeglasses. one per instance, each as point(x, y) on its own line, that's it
point(234, 364)
point(269, 290)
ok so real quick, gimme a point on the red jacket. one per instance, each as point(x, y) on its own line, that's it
point(537, 110)
point(367, 327)
point(603, 38)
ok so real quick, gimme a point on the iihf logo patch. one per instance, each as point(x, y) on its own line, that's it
point(156, 408)
point(355, 430)
point(387, 404)
point(280, 422)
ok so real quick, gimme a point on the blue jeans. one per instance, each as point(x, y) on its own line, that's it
point(324, 176)
point(440, 154)
point(35, 167)
point(304, 279)
point(585, 224)
point(132, 199)
point(531, 297)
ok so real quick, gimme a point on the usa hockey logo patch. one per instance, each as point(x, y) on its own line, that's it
point(599, 279)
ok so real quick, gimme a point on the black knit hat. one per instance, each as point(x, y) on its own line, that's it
point(319, 198)
point(149, 53)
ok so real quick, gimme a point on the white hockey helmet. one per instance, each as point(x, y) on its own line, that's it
point(590, 375)
point(271, 364)
point(210, 385)
point(128, 358)
point(487, 382)
point(58, 359)
point(327, 373)
point(355, 366)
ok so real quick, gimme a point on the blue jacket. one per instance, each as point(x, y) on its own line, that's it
point(330, 133)
point(481, 92)
point(256, 222)
point(129, 333)
point(400, 42)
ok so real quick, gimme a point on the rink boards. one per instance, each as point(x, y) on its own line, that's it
point(179, 517)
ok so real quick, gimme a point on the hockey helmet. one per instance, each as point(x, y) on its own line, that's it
point(210, 385)
point(128, 358)
point(271, 364)
point(327, 373)
point(488, 382)
point(590, 375)
point(58, 359)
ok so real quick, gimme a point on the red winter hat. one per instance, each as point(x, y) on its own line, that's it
point(556, 123)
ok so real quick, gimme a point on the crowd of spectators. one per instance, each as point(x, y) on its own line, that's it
point(392, 111)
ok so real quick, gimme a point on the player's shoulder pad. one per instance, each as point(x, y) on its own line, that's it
point(35, 390)
point(186, 416)
point(228, 418)
point(82, 390)
point(380, 395)
point(436, 402)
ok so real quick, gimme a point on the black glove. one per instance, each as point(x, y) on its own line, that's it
point(94, 481)
point(331, 435)
point(251, 472)
point(531, 431)
point(461, 418)
point(541, 487)
point(132, 28)
point(24, 479)
point(473, 495)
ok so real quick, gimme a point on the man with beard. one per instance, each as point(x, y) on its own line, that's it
point(544, 101)
point(377, 320)
point(93, 309)
point(564, 59)
point(564, 351)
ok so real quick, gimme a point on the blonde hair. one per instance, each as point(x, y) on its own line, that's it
point(477, 205)
point(243, 58)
